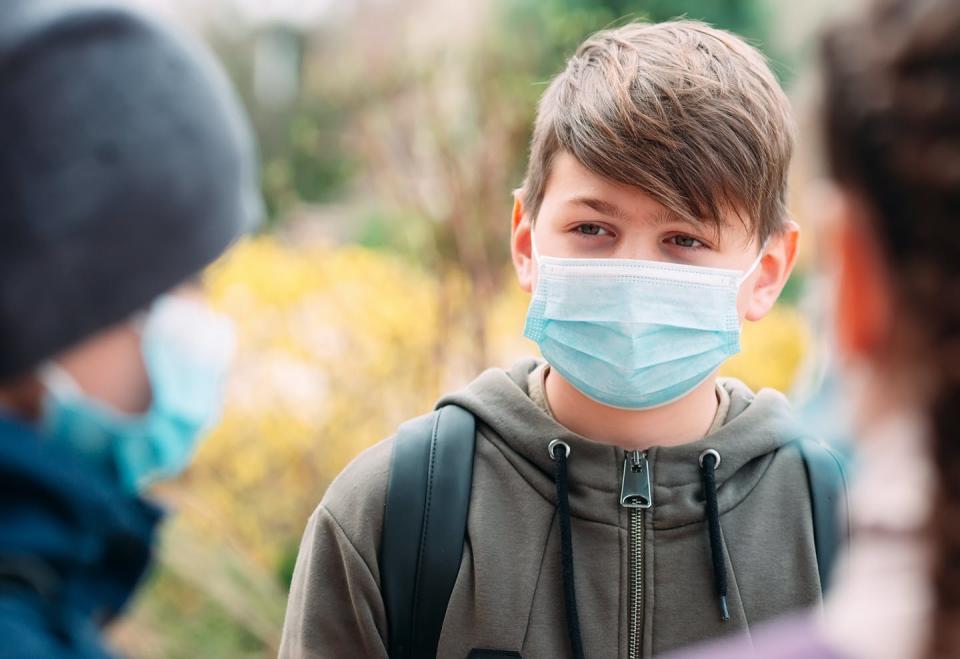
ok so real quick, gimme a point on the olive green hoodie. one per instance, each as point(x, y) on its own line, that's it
point(509, 592)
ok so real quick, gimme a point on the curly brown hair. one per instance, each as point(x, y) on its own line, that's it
point(892, 135)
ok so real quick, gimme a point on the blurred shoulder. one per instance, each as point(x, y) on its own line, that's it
point(29, 632)
point(795, 637)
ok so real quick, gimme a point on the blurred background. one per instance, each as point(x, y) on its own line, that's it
point(392, 134)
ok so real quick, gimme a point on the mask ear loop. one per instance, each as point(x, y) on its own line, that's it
point(533, 244)
point(756, 263)
point(537, 262)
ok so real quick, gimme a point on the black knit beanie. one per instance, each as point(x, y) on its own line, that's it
point(126, 166)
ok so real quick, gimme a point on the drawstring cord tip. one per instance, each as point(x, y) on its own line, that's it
point(724, 611)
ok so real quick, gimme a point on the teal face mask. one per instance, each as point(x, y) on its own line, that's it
point(634, 334)
point(187, 349)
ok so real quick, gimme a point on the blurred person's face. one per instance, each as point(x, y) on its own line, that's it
point(108, 367)
point(138, 395)
point(584, 215)
point(876, 371)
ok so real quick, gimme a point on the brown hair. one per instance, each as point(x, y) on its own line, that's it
point(892, 135)
point(689, 114)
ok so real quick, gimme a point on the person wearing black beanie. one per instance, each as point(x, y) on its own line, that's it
point(126, 167)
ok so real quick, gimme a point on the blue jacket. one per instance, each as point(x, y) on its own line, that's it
point(73, 548)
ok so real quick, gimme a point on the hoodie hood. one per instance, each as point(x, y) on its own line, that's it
point(756, 426)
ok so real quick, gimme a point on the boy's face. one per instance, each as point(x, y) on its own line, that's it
point(584, 215)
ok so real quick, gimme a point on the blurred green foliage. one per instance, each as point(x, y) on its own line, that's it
point(525, 42)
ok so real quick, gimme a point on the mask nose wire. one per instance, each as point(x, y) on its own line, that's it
point(742, 278)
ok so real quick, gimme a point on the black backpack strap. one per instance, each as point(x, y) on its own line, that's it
point(826, 477)
point(424, 526)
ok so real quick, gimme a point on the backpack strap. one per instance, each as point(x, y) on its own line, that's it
point(424, 526)
point(827, 481)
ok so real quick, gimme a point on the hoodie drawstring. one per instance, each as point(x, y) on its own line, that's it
point(709, 461)
point(559, 452)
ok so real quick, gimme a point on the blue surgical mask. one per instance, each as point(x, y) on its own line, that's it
point(634, 334)
point(187, 349)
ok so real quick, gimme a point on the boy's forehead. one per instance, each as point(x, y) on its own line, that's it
point(571, 186)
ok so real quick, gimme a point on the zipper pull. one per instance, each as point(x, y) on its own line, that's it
point(635, 491)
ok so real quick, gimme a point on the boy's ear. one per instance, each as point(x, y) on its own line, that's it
point(772, 272)
point(520, 243)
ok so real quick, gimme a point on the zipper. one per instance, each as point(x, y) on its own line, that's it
point(636, 494)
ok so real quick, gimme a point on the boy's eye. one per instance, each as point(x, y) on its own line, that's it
point(687, 242)
point(592, 230)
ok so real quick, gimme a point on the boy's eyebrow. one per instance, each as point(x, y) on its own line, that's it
point(667, 216)
point(599, 205)
point(663, 216)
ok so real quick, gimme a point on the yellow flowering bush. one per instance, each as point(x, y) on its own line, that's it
point(335, 349)
point(772, 350)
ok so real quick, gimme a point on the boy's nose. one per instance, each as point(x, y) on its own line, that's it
point(636, 249)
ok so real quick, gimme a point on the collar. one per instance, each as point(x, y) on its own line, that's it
point(73, 537)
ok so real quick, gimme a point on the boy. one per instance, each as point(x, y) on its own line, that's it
point(651, 224)
point(127, 166)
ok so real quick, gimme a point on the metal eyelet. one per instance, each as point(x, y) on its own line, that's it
point(710, 451)
point(558, 442)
